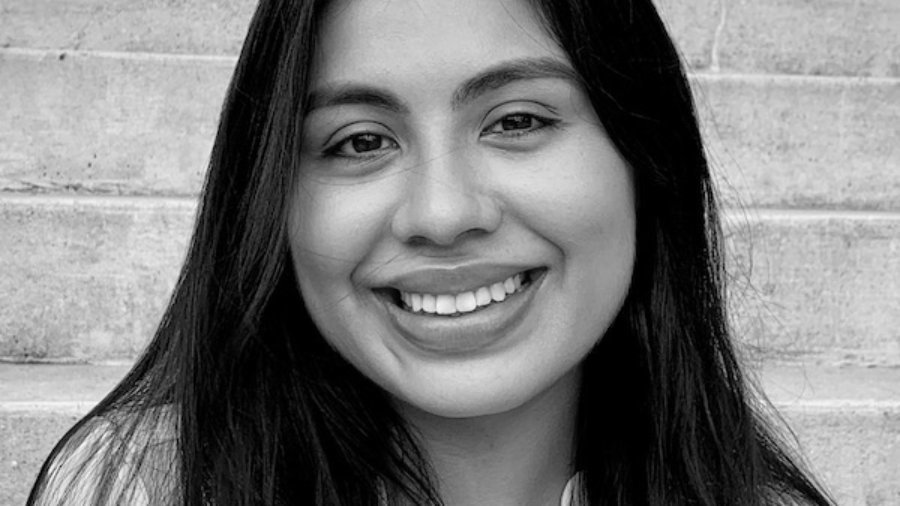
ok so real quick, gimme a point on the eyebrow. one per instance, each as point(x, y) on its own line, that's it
point(503, 74)
point(492, 78)
point(355, 94)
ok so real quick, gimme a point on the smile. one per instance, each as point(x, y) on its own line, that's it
point(447, 323)
point(457, 304)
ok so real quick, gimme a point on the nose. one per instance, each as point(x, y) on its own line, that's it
point(446, 199)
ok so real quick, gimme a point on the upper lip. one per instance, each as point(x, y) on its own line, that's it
point(457, 278)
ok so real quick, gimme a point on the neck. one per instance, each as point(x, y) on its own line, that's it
point(521, 457)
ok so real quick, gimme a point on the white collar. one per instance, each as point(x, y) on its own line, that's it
point(568, 497)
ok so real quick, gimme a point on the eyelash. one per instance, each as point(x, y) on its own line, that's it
point(334, 151)
point(543, 122)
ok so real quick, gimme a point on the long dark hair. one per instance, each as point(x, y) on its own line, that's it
point(258, 409)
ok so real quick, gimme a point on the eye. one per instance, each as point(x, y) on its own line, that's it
point(362, 145)
point(518, 124)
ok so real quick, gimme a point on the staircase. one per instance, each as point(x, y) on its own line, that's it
point(108, 110)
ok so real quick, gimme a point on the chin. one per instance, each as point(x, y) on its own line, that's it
point(473, 406)
point(482, 399)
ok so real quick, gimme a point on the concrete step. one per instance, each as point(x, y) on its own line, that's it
point(87, 278)
point(839, 37)
point(807, 286)
point(816, 286)
point(803, 142)
point(144, 124)
point(38, 404)
point(834, 37)
point(96, 123)
point(154, 26)
point(847, 421)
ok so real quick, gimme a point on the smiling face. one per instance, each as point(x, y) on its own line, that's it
point(462, 229)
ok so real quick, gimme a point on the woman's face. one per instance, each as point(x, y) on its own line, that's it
point(462, 230)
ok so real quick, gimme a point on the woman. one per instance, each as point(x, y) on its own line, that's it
point(448, 252)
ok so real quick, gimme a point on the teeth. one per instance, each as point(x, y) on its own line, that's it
point(498, 293)
point(428, 303)
point(483, 296)
point(446, 304)
point(466, 302)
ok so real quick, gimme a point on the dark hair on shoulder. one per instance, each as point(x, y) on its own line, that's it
point(666, 414)
point(239, 400)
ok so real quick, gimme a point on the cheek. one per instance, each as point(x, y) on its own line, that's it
point(596, 226)
point(332, 230)
point(581, 200)
point(580, 197)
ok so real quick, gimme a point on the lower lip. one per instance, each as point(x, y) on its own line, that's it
point(469, 332)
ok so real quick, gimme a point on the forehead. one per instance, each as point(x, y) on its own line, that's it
point(428, 41)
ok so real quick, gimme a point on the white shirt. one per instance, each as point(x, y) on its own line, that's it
point(568, 496)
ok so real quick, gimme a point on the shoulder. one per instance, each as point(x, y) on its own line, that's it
point(123, 457)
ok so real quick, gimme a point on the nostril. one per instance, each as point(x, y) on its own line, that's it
point(439, 214)
point(443, 243)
